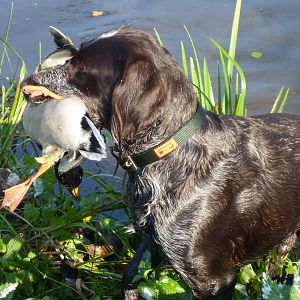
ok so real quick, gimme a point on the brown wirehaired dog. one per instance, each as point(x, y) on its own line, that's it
point(218, 199)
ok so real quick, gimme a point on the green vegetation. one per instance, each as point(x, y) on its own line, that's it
point(256, 54)
point(53, 249)
point(11, 110)
point(50, 248)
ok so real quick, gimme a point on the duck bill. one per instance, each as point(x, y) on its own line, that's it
point(75, 193)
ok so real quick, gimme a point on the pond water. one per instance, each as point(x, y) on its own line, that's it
point(269, 26)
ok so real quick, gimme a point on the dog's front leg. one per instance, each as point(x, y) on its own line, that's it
point(129, 289)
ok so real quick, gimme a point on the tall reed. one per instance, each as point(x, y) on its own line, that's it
point(229, 94)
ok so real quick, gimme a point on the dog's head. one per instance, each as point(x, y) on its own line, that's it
point(129, 83)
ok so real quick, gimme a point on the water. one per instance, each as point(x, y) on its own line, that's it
point(269, 26)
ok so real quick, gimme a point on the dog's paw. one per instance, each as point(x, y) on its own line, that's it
point(131, 295)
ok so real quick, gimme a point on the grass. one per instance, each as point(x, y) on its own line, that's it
point(11, 113)
point(12, 103)
point(229, 95)
point(52, 248)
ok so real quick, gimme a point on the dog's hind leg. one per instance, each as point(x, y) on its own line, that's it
point(212, 288)
point(207, 277)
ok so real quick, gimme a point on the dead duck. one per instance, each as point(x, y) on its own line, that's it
point(61, 124)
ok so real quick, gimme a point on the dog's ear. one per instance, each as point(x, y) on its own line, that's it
point(137, 99)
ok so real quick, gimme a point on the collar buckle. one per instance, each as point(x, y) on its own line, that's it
point(128, 164)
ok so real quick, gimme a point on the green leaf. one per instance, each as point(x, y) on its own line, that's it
point(280, 110)
point(234, 36)
point(208, 91)
point(197, 65)
point(256, 54)
point(290, 269)
point(145, 263)
point(31, 212)
point(194, 79)
point(296, 284)
point(240, 103)
point(219, 108)
point(247, 274)
point(2, 246)
point(278, 100)
point(227, 98)
point(273, 253)
point(13, 246)
point(137, 278)
point(23, 71)
point(272, 290)
point(158, 37)
point(148, 291)
point(30, 163)
point(31, 255)
point(184, 60)
point(240, 290)
point(6, 289)
point(169, 286)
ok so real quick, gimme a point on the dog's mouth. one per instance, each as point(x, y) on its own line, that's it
point(39, 94)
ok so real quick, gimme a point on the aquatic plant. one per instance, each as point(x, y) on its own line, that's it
point(12, 103)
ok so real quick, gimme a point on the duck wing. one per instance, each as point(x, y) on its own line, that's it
point(95, 148)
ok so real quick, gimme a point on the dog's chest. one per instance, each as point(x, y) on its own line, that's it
point(149, 203)
point(142, 192)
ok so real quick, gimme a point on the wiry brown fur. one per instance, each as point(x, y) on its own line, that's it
point(224, 198)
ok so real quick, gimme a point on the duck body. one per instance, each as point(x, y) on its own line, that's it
point(62, 127)
point(57, 123)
